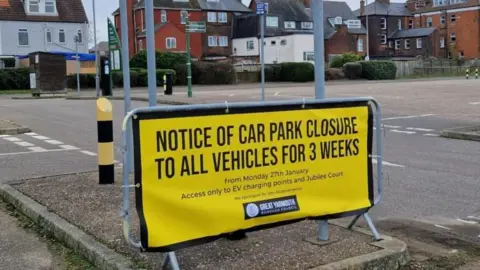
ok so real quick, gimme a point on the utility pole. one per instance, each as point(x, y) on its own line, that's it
point(262, 9)
point(318, 45)
point(189, 58)
point(76, 39)
point(151, 67)
point(97, 79)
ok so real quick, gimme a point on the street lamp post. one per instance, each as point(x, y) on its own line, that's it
point(76, 39)
point(97, 79)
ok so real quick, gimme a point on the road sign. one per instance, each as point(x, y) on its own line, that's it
point(262, 8)
point(270, 164)
point(196, 27)
point(114, 47)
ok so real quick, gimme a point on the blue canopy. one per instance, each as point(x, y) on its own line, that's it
point(68, 56)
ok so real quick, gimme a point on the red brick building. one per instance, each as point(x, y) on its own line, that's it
point(170, 26)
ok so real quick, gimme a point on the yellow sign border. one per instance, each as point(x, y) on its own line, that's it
point(188, 112)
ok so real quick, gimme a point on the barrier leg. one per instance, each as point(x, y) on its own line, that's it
point(173, 261)
point(106, 167)
point(372, 227)
point(323, 230)
point(350, 226)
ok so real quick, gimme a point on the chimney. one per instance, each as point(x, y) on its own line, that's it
point(411, 5)
point(362, 7)
point(307, 3)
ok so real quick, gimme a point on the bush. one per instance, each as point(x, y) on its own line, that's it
point(163, 60)
point(272, 73)
point(334, 74)
point(86, 81)
point(206, 73)
point(297, 72)
point(339, 61)
point(378, 70)
point(14, 79)
point(352, 70)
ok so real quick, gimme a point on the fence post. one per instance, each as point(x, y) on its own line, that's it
point(106, 167)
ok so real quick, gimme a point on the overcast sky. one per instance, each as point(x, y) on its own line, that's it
point(104, 9)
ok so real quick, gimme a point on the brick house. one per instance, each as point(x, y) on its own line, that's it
point(170, 26)
point(457, 22)
point(289, 32)
point(415, 42)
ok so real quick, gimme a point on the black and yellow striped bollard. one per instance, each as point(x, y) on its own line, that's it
point(476, 73)
point(466, 74)
point(106, 166)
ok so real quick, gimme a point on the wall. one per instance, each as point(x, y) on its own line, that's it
point(217, 29)
point(343, 42)
point(36, 36)
point(375, 32)
point(240, 44)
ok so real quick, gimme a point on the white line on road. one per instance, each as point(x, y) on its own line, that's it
point(31, 152)
point(443, 227)
point(431, 135)
point(24, 144)
point(474, 103)
point(388, 126)
point(40, 137)
point(37, 149)
point(31, 134)
point(88, 153)
point(467, 221)
point(386, 163)
point(473, 217)
point(276, 93)
point(407, 117)
point(4, 136)
point(403, 131)
point(12, 139)
point(53, 142)
point(231, 95)
point(421, 129)
point(69, 147)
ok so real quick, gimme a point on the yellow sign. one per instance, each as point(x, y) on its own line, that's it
point(204, 174)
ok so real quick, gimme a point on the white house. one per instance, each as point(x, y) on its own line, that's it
point(42, 25)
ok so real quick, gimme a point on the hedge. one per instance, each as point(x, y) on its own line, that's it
point(339, 61)
point(206, 73)
point(332, 74)
point(14, 79)
point(163, 60)
point(290, 72)
point(352, 70)
point(378, 70)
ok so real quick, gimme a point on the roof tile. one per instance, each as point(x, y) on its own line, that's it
point(71, 11)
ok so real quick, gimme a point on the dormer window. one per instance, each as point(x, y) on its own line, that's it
point(34, 6)
point(50, 6)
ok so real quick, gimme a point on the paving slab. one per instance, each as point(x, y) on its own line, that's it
point(8, 127)
point(78, 199)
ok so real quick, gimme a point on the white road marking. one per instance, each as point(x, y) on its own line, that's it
point(31, 152)
point(69, 147)
point(53, 142)
point(474, 103)
point(231, 95)
point(4, 136)
point(24, 144)
point(474, 217)
point(40, 137)
point(88, 153)
point(421, 129)
point(31, 134)
point(443, 227)
point(12, 139)
point(388, 126)
point(403, 131)
point(407, 117)
point(431, 135)
point(276, 93)
point(37, 149)
point(386, 163)
point(467, 221)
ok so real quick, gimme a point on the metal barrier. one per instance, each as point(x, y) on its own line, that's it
point(323, 224)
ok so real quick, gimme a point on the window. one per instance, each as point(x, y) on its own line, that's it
point(250, 45)
point(223, 41)
point(383, 39)
point(442, 42)
point(183, 17)
point(48, 35)
point(50, 6)
point(407, 44)
point(61, 36)
point(383, 23)
point(397, 44)
point(453, 18)
point(79, 36)
point(211, 1)
point(360, 45)
point(439, 2)
point(140, 45)
point(222, 17)
point(272, 21)
point(390, 44)
point(410, 23)
point(22, 37)
point(419, 43)
point(453, 37)
point(307, 25)
point(308, 56)
point(399, 24)
point(34, 6)
point(212, 17)
point(171, 43)
point(442, 19)
point(163, 16)
point(212, 41)
point(428, 22)
point(273, 43)
point(289, 25)
point(283, 42)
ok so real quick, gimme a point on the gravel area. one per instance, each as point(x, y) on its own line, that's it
point(94, 208)
point(7, 124)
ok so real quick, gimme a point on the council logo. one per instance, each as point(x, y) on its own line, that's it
point(252, 210)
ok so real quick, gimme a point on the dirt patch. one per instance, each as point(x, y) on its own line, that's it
point(79, 199)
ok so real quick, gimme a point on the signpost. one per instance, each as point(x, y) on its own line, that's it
point(262, 9)
point(114, 47)
point(191, 27)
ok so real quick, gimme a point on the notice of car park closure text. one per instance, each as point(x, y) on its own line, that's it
point(218, 162)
